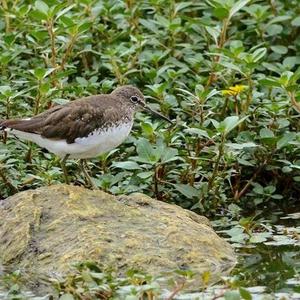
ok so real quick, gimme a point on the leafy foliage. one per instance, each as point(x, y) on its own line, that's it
point(227, 71)
point(88, 281)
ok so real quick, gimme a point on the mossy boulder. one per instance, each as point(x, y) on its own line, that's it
point(44, 231)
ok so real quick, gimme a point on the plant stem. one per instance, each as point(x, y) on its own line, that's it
point(223, 34)
point(273, 7)
point(177, 289)
point(7, 108)
point(213, 77)
point(217, 163)
point(37, 100)
point(6, 16)
point(249, 95)
point(294, 101)
point(224, 108)
point(236, 105)
point(68, 51)
point(156, 179)
point(52, 39)
point(116, 70)
point(238, 195)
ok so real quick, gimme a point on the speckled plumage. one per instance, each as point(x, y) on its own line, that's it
point(82, 128)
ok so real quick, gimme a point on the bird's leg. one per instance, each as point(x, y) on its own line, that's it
point(63, 166)
point(85, 169)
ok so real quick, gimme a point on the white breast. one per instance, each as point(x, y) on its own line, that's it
point(96, 143)
point(101, 141)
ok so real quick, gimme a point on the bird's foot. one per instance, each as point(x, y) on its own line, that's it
point(64, 168)
point(85, 170)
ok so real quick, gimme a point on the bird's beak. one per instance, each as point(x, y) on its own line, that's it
point(156, 114)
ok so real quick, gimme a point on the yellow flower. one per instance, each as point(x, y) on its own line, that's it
point(234, 90)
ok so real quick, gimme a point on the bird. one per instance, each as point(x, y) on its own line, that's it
point(84, 128)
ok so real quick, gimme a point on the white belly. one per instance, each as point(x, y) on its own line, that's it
point(93, 145)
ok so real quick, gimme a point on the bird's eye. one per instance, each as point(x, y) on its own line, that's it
point(134, 99)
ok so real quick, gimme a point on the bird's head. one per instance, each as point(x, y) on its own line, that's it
point(136, 100)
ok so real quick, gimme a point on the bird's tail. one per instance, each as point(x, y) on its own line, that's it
point(12, 123)
point(25, 125)
point(18, 125)
point(8, 124)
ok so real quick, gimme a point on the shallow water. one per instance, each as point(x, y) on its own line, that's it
point(269, 262)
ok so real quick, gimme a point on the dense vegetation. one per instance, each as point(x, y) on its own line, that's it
point(226, 71)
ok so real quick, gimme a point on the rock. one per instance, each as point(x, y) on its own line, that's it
point(44, 231)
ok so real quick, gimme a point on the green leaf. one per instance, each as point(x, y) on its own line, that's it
point(259, 237)
point(5, 90)
point(147, 128)
point(234, 231)
point(266, 133)
point(169, 154)
point(245, 294)
point(64, 11)
point(182, 5)
point(163, 21)
point(295, 77)
point(37, 15)
point(45, 87)
point(232, 295)
point(271, 67)
point(231, 66)
point(48, 72)
point(274, 29)
point(291, 61)
point(126, 165)
point(279, 19)
point(245, 162)
point(258, 54)
point(286, 139)
point(145, 175)
point(146, 152)
point(211, 94)
point(84, 27)
point(237, 6)
point(67, 21)
point(221, 12)
point(150, 25)
point(285, 78)
point(197, 131)
point(241, 146)
point(269, 82)
point(296, 22)
point(41, 6)
point(187, 190)
point(54, 9)
point(39, 73)
point(66, 297)
point(214, 33)
point(230, 123)
point(279, 49)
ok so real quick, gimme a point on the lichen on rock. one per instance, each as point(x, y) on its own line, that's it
point(44, 231)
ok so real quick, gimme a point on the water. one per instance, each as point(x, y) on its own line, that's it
point(275, 267)
point(269, 255)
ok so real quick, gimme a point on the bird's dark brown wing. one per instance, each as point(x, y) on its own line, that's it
point(30, 124)
point(75, 119)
